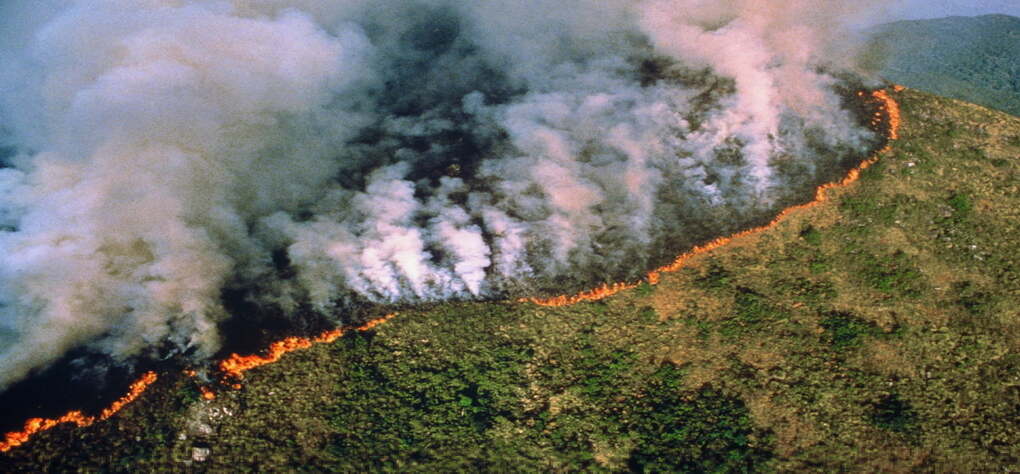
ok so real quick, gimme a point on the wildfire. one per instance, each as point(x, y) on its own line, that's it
point(889, 111)
point(236, 365)
point(35, 425)
point(233, 366)
point(207, 393)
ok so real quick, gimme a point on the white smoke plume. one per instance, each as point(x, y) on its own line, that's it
point(394, 151)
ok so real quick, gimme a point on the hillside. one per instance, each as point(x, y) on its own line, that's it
point(973, 59)
point(875, 331)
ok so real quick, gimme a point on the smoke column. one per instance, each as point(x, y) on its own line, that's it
point(310, 154)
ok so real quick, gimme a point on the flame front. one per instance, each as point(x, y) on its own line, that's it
point(36, 425)
point(233, 366)
point(236, 365)
point(207, 393)
point(889, 111)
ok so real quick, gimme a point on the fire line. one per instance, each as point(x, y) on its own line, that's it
point(889, 110)
point(35, 425)
point(234, 366)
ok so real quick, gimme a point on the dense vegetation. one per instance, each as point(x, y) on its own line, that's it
point(973, 59)
point(878, 331)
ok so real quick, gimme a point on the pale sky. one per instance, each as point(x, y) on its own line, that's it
point(916, 9)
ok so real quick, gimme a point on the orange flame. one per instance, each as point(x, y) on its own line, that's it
point(889, 111)
point(207, 393)
point(36, 425)
point(236, 365)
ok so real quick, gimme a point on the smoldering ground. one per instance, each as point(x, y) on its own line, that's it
point(305, 156)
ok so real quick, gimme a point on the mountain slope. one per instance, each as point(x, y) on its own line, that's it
point(974, 59)
point(876, 331)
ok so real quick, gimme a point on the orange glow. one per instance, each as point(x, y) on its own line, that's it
point(236, 365)
point(888, 111)
point(595, 294)
point(207, 393)
point(891, 110)
point(36, 425)
point(134, 391)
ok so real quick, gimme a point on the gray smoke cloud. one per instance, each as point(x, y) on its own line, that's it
point(320, 152)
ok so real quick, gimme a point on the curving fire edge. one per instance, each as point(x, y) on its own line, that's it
point(233, 367)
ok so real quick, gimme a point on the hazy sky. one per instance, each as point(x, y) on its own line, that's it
point(913, 9)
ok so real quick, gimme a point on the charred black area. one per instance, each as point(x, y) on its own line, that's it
point(90, 381)
point(84, 380)
point(424, 86)
point(253, 326)
point(856, 97)
point(424, 90)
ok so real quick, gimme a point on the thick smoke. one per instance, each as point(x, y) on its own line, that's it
point(311, 154)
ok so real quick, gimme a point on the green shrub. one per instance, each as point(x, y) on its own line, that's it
point(644, 289)
point(894, 273)
point(894, 414)
point(706, 432)
point(434, 414)
point(715, 277)
point(811, 235)
point(961, 203)
point(843, 330)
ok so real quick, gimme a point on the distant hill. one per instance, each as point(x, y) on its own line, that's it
point(976, 59)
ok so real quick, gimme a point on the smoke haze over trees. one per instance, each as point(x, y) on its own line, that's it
point(309, 155)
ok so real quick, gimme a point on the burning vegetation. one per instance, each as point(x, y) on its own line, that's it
point(164, 180)
point(169, 192)
point(876, 332)
point(35, 425)
point(886, 119)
